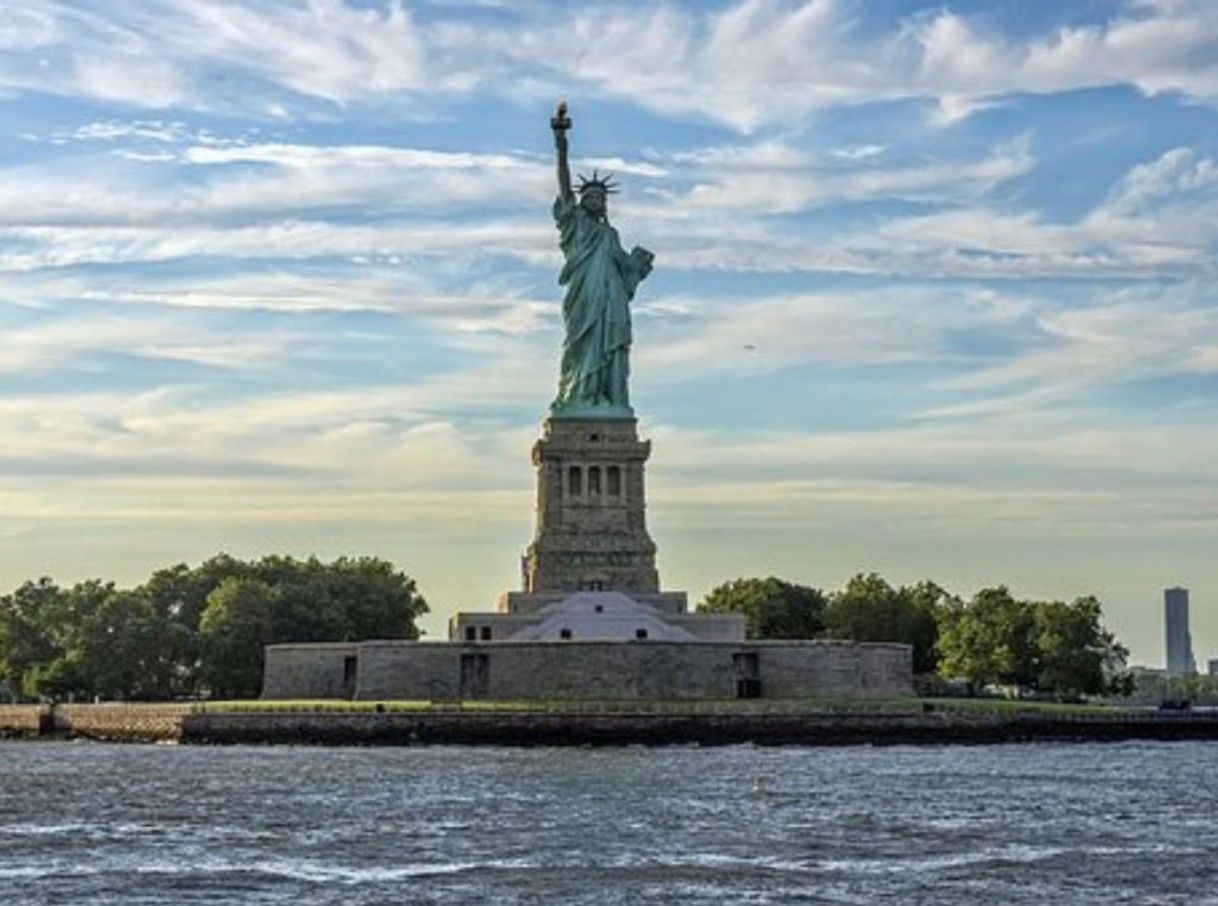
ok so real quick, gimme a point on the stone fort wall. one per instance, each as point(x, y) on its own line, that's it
point(575, 670)
point(314, 670)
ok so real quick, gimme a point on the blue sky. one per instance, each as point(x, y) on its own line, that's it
point(934, 291)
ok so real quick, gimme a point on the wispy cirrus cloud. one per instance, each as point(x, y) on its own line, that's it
point(169, 53)
point(1159, 219)
point(743, 63)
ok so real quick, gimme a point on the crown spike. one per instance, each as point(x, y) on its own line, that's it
point(598, 182)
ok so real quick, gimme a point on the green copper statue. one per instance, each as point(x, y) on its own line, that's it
point(600, 278)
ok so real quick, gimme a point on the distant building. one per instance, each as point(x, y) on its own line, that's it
point(1214, 666)
point(1179, 641)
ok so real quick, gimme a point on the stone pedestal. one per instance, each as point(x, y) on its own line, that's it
point(591, 532)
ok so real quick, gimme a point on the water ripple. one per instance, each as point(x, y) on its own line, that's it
point(1130, 823)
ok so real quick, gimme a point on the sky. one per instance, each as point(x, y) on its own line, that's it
point(934, 290)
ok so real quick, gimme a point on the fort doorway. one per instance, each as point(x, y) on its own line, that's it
point(475, 675)
point(747, 667)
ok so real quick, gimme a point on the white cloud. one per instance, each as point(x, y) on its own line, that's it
point(755, 63)
point(1128, 337)
point(335, 157)
point(1158, 46)
point(166, 52)
point(858, 152)
point(1179, 174)
point(50, 343)
point(285, 179)
point(952, 108)
point(41, 247)
point(768, 179)
point(322, 48)
point(746, 63)
point(112, 130)
point(27, 25)
point(1159, 220)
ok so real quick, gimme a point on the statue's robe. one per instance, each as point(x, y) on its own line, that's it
point(600, 278)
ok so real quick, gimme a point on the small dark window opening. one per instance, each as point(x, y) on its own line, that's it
point(599, 608)
point(471, 633)
point(350, 670)
point(615, 481)
point(564, 633)
point(486, 633)
point(640, 633)
point(594, 437)
point(574, 482)
point(593, 585)
point(594, 480)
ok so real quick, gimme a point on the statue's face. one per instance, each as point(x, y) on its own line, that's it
point(593, 201)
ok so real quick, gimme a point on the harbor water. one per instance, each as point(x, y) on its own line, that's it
point(1036, 823)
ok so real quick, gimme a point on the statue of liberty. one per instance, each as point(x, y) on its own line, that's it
point(600, 278)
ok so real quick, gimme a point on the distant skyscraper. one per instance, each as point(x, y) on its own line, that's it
point(1214, 666)
point(1179, 640)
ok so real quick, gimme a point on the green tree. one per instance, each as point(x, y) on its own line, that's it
point(989, 640)
point(43, 631)
point(128, 649)
point(180, 592)
point(772, 608)
point(377, 600)
point(1075, 654)
point(1046, 646)
point(26, 645)
point(309, 601)
point(868, 609)
point(190, 629)
point(237, 622)
point(306, 607)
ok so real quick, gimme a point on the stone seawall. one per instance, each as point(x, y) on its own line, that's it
point(791, 724)
point(117, 722)
point(725, 728)
point(24, 720)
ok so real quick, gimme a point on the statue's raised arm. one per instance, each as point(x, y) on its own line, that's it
point(560, 123)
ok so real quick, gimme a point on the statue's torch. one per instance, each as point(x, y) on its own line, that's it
point(560, 122)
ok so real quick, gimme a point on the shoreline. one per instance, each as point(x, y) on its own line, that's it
point(338, 723)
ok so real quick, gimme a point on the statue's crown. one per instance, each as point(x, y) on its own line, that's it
point(603, 183)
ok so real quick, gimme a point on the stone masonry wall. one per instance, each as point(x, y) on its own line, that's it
point(21, 720)
point(315, 670)
point(118, 721)
point(590, 533)
point(121, 721)
point(608, 670)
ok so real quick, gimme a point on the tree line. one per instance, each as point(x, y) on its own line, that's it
point(199, 631)
point(192, 631)
point(991, 639)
